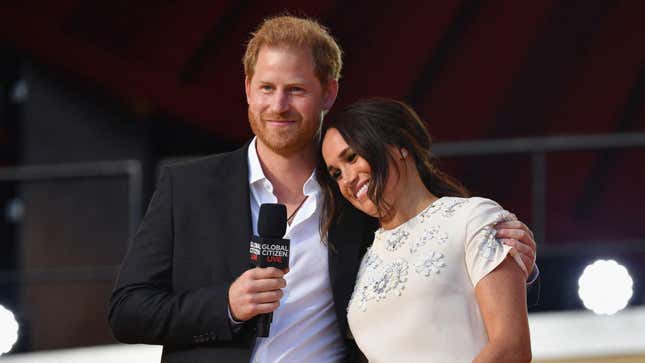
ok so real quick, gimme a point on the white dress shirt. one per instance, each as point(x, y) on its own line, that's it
point(304, 327)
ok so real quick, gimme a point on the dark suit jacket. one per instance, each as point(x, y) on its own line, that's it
point(192, 244)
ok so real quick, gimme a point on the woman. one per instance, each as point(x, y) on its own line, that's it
point(435, 286)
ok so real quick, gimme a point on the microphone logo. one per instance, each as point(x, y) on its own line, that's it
point(267, 252)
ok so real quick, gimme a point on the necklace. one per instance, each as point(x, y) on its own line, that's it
point(293, 214)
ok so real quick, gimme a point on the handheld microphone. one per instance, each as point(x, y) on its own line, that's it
point(270, 249)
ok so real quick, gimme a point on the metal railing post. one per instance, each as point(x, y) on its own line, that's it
point(538, 195)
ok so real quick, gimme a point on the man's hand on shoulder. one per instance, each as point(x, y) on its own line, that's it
point(517, 235)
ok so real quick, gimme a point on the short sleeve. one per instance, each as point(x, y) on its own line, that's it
point(483, 252)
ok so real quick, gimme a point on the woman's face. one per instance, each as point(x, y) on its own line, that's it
point(353, 173)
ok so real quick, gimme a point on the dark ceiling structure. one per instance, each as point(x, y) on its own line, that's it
point(500, 68)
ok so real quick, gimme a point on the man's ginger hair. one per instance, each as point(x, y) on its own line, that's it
point(293, 31)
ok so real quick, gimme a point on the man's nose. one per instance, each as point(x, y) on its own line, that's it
point(279, 103)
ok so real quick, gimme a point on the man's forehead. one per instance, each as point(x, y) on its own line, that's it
point(285, 61)
point(304, 53)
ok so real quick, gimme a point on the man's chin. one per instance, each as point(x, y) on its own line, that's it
point(283, 147)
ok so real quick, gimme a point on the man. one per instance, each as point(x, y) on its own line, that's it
point(185, 282)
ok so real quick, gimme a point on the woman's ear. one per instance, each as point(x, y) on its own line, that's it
point(397, 153)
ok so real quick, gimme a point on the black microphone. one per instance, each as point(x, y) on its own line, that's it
point(270, 249)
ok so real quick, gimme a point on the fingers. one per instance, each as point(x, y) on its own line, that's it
point(529, 263)
point(526, 253)
point(517, 234)
point(267, 297)
point(523, 249)
point(523, 236)
point(265, 308)
point(256, 291)
point(264, 273)
point(514, 225)
point(518, 258)
point(259, 286)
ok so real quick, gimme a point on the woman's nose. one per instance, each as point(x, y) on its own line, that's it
point(349, 177)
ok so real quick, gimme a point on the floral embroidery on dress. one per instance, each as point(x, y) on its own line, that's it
point(380, 282)
point(432, 263)
point(372, 260)
point(505, 216)
point(396, 239)
point(489, 244)
point(430, 233)
point(432, 209)
point(383, 275)
point(452, 206)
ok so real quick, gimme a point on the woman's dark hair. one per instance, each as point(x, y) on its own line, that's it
point(368, 127)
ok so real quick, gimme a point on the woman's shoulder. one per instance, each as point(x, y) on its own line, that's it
point(475, 212)
point(469, 204)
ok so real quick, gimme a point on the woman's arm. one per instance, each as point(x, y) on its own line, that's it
point(501, 296)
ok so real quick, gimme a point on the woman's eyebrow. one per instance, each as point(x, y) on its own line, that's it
point(341, 155)
point(344, 152)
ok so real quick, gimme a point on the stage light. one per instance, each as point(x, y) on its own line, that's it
point(14, 210)
point(20, 91)
point(8, 330)
point(605, 287)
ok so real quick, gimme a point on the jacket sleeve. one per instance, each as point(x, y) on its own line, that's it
point(144, 308)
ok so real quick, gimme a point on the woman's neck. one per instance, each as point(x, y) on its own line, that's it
point(410, 200)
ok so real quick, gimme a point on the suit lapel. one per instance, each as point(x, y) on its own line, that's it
point(233, 215)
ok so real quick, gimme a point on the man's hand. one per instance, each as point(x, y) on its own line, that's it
point(516, 234)
point(256, 291)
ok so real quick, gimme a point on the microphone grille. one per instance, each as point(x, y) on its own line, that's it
point(272, 220)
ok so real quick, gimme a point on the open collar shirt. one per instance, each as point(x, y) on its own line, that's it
point(304, 327)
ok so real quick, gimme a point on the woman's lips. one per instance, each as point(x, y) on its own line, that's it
point(362, 191)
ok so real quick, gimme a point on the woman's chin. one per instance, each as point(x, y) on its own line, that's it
point(367, 208)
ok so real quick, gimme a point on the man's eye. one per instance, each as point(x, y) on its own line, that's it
point(266, 88)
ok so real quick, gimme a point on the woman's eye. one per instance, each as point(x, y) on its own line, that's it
point(352, 157)
point(335, 174)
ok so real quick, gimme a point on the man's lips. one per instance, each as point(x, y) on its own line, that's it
point(280, 122)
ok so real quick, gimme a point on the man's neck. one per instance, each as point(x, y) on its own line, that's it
point(287, 173)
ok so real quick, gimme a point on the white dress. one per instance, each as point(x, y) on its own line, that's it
point(414, 299)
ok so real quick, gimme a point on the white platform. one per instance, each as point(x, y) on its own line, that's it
point(563, 335)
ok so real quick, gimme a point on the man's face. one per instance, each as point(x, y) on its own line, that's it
point(286, 99)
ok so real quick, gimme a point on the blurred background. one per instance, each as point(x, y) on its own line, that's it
point(539, 105)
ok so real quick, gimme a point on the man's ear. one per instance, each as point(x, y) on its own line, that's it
point(247, 88)
point(330, 94)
